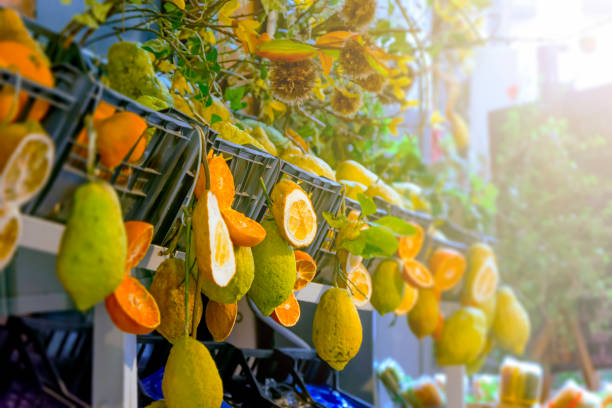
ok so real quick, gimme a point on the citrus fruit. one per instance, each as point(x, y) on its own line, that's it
point(463, 337)
point(91, 259)
point(275, 270)
point(511, 327)
point(259, 134)
point(437, 334)
point(26, 159)
point(424, 316)
point(117, 135)
point(409, 299)
point(410, 246)
point(243, 231)
point(352, 189)
point(359, 285)
point(306, 269)
point(132, 308)
point(12, 28)
point(103, 111)
point(311, 164)
point(236, 135)
point(336, 328)
point(239, 285)
point(387, 287)
point(294, 214)
point(139, 237)
point(220, 319)
point(10, 233)
point(288, 313)
point(416, 274)
point(191, 378)
point(30, 64)
point(168, 289)
point(214, 249)
point(489, 308)
point(447, 267)
point(387, 193)
point(475, 365)
point(221, 180)
point(352, 171)
point(482, 274)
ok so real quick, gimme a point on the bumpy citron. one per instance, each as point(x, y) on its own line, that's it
point(294, 213)
point(423, 318)
point(387, 287)
point(463, 337)
point(10, 232)
point(352, 171)
point(191, 378)
point(336, 329)
point(511, 327)
point(387, 193)
point(168, 289)
point(239, 285)
point(275, 270)
point(91, 258)
point(214, 249)
point(352, 189)
point(311, 164)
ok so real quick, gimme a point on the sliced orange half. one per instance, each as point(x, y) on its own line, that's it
point(288, 313)
point(139, 237)
point(447, 267)
point(10, 233)
point(132, 308)
point(243, 231)
point(306, 269)
point(26, 158)
point(486, 280)
point(294, 213)
point(416, 274)
point(411, 295)
point(410, 246)
point(220, 319)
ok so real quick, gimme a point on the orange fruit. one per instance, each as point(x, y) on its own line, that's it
point(10, 233)
point(220, 319)
point(411, 295)
point(416, 274)
point(410, 246)
point(360, 287)
point(30, 64)
point(288, 313)
point(243, 231)
point(116, 137)
point(103, 111)
point(139, 237)
point(294, 213)
point(306, 269)
point(221, 180)
point(437, 334)
point(132, 308)
point(447, 267)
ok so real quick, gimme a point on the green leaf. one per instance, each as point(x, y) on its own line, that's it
point(380, 241)
point(355, 246)
point(368, 207)
point(334, 221)
point(215, 118)
point(397, 225)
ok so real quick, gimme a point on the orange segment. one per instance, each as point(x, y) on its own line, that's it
point(288, 313)
point(293, 213)
point(139, 237)
point(301, 220)
point(116, 137)
point(416, 274)
point(411, 295)
point(360, 287)
point(244, 231)
point(448, 267)
point(220, 319)
point(132, 308)
point(221, 181)
point(222, 245)
point(306, 269)
point(410, 246)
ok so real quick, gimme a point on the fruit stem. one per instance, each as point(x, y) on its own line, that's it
point(204, 140)
point(196, 303)
point(265, 191)
point(91, 146)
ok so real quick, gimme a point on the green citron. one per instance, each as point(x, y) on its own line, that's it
point(423, 317)
point(275, 270)
point(352, 188)
point(91, 258)
point(310, 163)
point(262, 137)
point(463, 337)
point(239, 285)
point(168, 290)
point(352, 171)
point(489, 308)
point(191, 378)
point(387, 287)
point(235, 135)
point(474, 366)
point(336, 329)
point(281, 143)
point(511, 327)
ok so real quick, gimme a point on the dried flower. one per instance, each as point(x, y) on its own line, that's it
point(353, 60)
point(372, 83)
point(346, 103)
point(358, 14)
point(292, 82)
